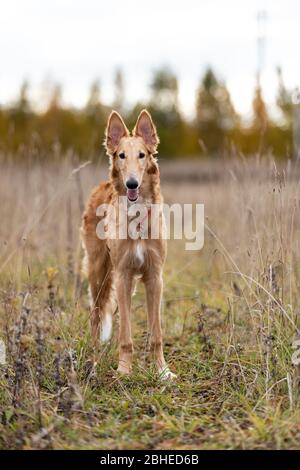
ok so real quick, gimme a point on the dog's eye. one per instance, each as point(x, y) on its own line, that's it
point(141, 155)
point(122, 155)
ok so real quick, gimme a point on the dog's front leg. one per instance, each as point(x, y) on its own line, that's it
point(124, 290)
point(154, 287)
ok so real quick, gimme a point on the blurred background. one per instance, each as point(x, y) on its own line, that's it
point(219, 77)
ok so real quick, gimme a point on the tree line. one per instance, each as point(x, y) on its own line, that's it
point(217, 130)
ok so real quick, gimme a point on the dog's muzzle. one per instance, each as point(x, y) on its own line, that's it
point(132, 189)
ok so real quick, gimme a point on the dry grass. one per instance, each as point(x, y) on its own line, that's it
point(231, 314)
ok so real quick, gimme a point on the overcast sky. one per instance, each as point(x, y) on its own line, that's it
point(75, 41)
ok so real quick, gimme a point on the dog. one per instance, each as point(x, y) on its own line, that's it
point(114, 263)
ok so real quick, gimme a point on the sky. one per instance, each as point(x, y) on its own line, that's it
point(74, 42)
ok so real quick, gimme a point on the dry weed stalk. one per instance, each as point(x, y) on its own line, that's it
point(70, 248)
point(40, 371)
point(51, 275)
point(20, 348)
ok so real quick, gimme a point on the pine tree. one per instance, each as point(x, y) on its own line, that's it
point(260, 119)
point(164, 97)
point(119, 98)
point(284, 99)
point(93, 101)
point(215, 114)
point(23, 104)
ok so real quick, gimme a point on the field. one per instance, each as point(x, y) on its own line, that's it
point(230, 316)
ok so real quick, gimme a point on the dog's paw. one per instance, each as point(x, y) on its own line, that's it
point(124, 369)
point(166, 375)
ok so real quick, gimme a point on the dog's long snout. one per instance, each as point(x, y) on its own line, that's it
point(132, 183)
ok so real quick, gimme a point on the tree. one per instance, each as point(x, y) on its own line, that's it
point(94, 96)
point(119, 98)
point(23, 104)
point(284, 99)
point(260, 119)
point(164, 95)
point(55, 98)
point(93, 120)
point(94, 110)
point(215, 113)
point(164, 107)
point(20, 119)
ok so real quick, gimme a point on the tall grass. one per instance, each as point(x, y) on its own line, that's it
point(231, 315)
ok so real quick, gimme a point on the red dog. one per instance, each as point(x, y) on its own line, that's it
point(113, 264)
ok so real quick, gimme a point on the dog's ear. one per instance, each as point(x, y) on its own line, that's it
point(146, 129)
point(115, 130)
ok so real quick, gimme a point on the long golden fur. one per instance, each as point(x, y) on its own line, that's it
point(114, 264)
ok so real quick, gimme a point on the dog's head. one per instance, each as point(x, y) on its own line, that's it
point(132, 154)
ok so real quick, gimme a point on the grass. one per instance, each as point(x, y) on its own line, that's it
point(230, 316)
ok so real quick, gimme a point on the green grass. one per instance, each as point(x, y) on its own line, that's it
point(217, 400)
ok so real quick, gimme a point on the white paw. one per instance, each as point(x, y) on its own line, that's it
point(106, 328)
point(166, 374)
point(124, 369)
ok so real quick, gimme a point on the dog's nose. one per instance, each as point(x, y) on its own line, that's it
point(132, 183)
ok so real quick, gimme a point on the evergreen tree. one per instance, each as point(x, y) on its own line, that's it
point(94, 96)
point(164, 107)
point(55, 98)
point(93, 120)
point(215, 114)
point(164, 97)
point(260, 119)
point(119, 86)
point(23, 104)
point(284, 99)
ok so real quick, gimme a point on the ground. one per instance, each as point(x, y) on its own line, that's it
point(230, 317)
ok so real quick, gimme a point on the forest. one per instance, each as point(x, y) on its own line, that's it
point(215, 131)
